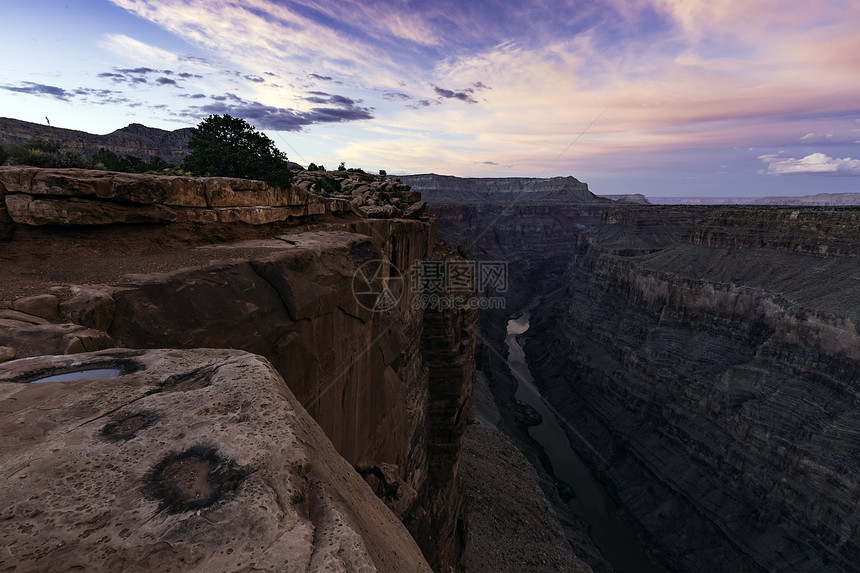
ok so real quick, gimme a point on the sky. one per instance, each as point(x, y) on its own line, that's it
point(711, 98)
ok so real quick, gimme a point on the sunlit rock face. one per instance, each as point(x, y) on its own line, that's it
point(193, 460)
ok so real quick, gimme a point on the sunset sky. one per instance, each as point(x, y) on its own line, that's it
point(662, 97)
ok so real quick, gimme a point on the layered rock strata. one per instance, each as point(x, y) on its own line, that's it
point(33, 196)
point(195, 460)
point(717, 376)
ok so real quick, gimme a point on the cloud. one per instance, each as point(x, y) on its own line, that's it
point(136, 76)
point(451, 94)
point(88, 95)
point(32, 88)
point(321, 78)
point(814, 163)
point(397, 96)
point(324, 98)
point(130, 49)
point(281, 119)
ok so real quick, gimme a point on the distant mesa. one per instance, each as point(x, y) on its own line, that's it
point(135, 139)
point(449, 190)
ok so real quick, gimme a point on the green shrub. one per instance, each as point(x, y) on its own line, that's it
point(326, 186)
point(226, 146)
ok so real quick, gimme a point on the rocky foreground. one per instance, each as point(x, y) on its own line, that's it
point(217, 459)
point(167, 460)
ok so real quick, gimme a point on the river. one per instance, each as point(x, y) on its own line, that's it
point(615, 538)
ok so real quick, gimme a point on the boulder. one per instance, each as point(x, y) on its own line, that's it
point(91, 308)
point(44, 306)
point(415, 211)
point(162, 460)
point(379, 211)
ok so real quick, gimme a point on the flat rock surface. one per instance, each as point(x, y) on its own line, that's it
point(166, 460)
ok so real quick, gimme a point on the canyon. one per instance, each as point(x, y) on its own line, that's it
point(704, 363)
point(216, 373)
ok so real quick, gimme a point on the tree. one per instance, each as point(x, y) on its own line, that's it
point(224, 146)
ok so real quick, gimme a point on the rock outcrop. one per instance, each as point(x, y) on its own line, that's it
point(195, 460)
point(325, 297)
point(34, 196)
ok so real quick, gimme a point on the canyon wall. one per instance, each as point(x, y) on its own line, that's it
point(717, 376)
point(708, 358)
point(321, 293)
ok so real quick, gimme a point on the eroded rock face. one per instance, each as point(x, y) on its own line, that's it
point(197, 460)
point(35, 196)
point(718, 376)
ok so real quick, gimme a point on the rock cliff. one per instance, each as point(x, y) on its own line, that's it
point(322, 293)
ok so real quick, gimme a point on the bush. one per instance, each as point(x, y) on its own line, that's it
point(226, 146)
point(42, 153)
point(383, 172)
point(326, 186)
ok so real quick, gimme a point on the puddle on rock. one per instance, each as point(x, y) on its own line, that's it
point(81, 375)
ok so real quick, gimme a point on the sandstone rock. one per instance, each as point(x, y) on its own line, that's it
point(21, 317)
point(201, 460)
point(91, 308)
point(45, 339)
point(379, 212)
point(7, 353)
point(28, 210)
point(45, 306)
point(415, 211)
